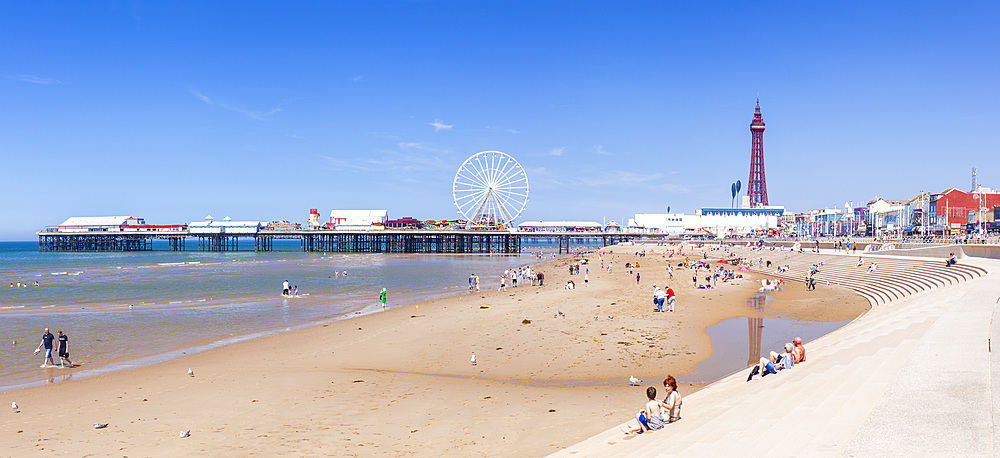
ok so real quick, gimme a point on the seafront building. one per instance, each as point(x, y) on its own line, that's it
point(357, 220)
point(710, 221)
point(560, 226)
point(955, 208)
point(226, 226)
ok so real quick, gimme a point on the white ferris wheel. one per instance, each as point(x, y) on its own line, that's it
point(490, 190)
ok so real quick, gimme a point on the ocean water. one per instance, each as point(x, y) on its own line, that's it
point(189, 301)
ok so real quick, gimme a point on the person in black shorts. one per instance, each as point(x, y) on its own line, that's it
point(64, 350)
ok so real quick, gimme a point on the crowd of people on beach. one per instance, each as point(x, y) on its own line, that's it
point(525, 275)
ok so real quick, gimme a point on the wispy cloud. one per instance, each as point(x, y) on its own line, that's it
point(558, 151)
point(252, 114)
point(340, 164)
point(358, 79)
point(33, 79)
point(420, 146)
point(502, 129)
point(407, 157)
point(438, 125)
point(203, 97)
point(258, 115)
point(600, 149)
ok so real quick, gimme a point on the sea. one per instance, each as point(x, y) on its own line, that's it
point(127, 309)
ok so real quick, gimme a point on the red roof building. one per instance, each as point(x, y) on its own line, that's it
point(956, 207)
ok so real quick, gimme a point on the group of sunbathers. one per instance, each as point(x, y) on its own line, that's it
point(657, 413)
point(794, 354)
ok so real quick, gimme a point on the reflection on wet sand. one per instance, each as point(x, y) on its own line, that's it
point(755, 327)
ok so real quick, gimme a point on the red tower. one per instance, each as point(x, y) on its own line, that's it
point(757, 185)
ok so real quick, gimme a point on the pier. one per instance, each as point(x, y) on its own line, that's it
point(328, 241)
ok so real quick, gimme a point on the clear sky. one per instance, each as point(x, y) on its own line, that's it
point(262, 110)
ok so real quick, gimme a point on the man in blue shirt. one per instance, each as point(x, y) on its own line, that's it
point(46, 342)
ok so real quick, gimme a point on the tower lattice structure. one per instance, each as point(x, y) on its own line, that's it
point(757, 185)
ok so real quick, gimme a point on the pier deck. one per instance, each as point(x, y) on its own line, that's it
point(329, 241)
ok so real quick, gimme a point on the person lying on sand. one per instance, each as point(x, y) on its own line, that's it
point(649, 419)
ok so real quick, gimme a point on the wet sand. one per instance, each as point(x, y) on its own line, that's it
point(401, 382)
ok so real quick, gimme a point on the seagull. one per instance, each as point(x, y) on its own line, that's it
point(473, 360)
point(13, 405)
point(634, 381)
point(14, 343)
point(186, 433)
point(190, 372)
point(100, 425)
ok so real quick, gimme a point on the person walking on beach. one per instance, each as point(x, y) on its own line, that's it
point(47, 339)
point(382, 298)
point(670, 299)
point(284, 288)
point(637, 278)
point(64, 350)
point(477, 283)
point(472, 282)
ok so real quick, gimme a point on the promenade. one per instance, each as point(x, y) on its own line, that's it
point(913, 376)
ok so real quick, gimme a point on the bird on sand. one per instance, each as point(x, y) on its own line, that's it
point(14, 343)
point(190, 372)
point(634, 381)
point(473, 360)
point(13, 405)
point(186, 433)
point(100, 425)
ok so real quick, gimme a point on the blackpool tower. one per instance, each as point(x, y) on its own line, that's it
point(756, 185)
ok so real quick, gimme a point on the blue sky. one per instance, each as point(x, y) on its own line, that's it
point(261, 110)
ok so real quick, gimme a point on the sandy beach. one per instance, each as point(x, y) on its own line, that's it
point(401, 382)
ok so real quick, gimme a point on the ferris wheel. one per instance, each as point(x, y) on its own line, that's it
point(490, 190)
